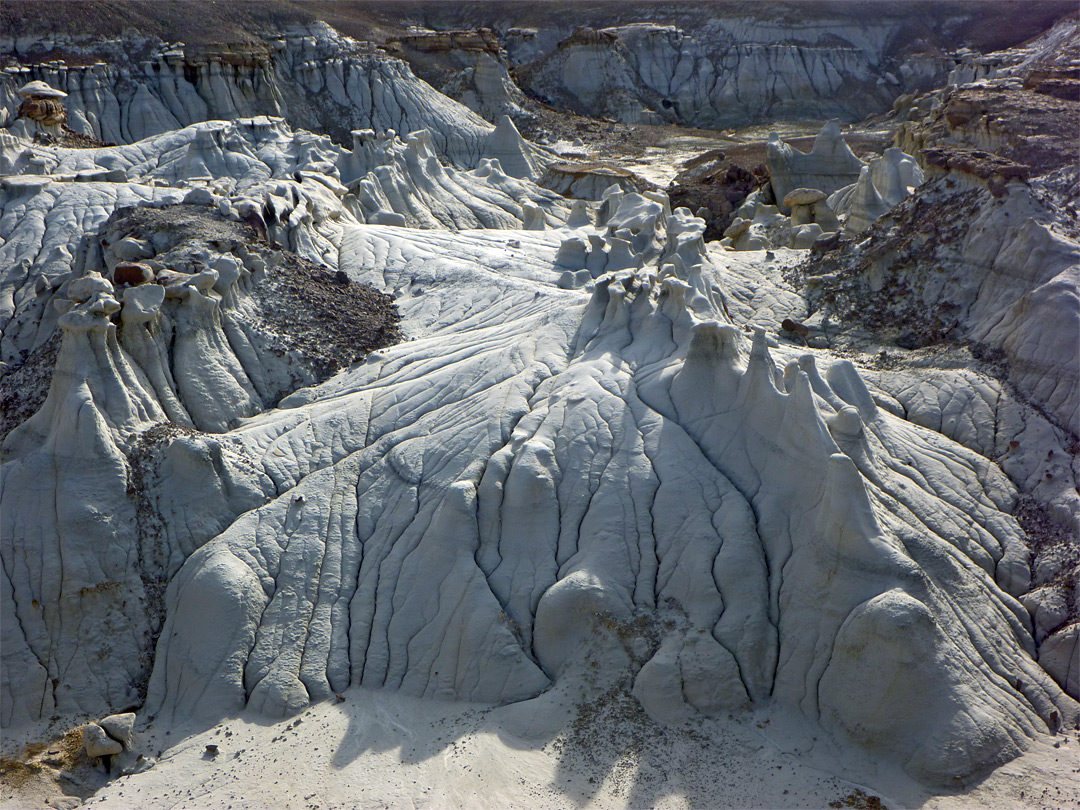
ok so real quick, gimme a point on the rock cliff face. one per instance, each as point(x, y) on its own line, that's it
point(313, 78)
point(735, 73)
point(1000, 161)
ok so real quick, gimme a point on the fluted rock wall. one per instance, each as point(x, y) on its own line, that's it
point(734, 73)
point(312, 78)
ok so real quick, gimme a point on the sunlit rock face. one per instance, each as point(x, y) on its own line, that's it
point(308, 77)
point(560, 457)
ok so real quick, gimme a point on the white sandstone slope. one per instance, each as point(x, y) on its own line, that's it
point(645, 459)
point(588, 477)
point(196, 348)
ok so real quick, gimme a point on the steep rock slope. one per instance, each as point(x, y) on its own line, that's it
point(986, 255)
point(736, 73)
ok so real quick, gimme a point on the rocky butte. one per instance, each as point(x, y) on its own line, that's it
point(534, 405)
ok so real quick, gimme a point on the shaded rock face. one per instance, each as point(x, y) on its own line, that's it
point(717, 185)
point(305, 78)
point(479, 40)
point(996, 129)
point(988, 131)
point(1002, 163)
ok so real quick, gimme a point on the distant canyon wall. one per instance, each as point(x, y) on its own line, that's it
point(732, 73)
point(729, 74)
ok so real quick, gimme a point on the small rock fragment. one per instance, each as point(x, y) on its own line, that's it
point(99, 744)
point(132, 273)
point(119, 727)
point(796, 328)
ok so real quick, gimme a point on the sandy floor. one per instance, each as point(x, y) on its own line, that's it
point(385, 750)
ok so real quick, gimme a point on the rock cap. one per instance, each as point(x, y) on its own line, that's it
point(40, 89)
point(803, 196)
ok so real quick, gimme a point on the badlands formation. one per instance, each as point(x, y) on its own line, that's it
point(360, 451)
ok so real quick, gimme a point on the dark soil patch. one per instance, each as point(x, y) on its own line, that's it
point(1048, 537)
point(858, 800)
point(16, 773)
point(23, 391)
point(324, 318)
point(70, 139)
point(905, 247)
point(143, 457)
point(717, 186)
point(342, 320)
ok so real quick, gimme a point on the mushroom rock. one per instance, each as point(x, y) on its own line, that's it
point(45, 111)
point(41, 103)
point(803, 196)
point(800, 201)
